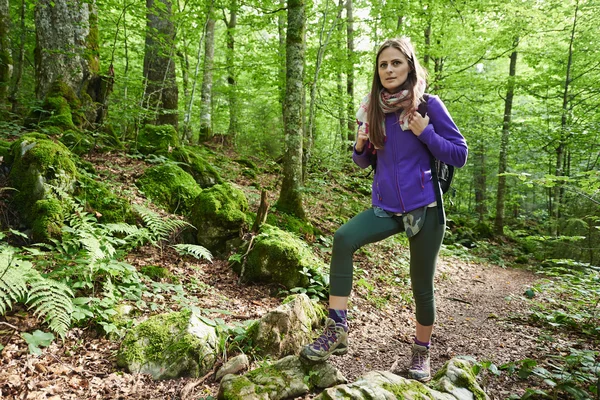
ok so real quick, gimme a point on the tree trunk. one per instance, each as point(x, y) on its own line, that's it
point(562, 142)
point(350, 72)
point(66, 59)
point(161, 93)
point(261, 213)
point(503, 157)
point(5, 57)
point(19, 60)
point(281, 55)
point(310, 132)
point(479, 179)
point(290, 198)
point(340, 89)
point(231, 71)
point(207, 80)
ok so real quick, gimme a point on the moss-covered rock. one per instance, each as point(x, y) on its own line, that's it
point(287, 378)
point(457, 378)
point(4, 149)
point(169, 186)
point(78, 142)
point(48, 220)
point(168, 346)
point(61, 109)
point(157, 139)
point(285, 330)
point(292, 224)
point(219, 214)
point(279, 256)
point(102, 201)
point(197, 166)
point(36, 160)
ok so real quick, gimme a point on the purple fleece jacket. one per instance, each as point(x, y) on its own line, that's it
point(403, 181)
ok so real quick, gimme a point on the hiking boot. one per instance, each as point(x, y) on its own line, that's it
point(419, 364)
point(333, 340)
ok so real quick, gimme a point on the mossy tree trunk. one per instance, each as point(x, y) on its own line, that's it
point(207, 79)
point(161, 93)
point(350, 71)
point(290, 198)
point(18, 59)
point(5, 58)
point(67, 53)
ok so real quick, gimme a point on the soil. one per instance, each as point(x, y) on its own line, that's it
point(481, 310)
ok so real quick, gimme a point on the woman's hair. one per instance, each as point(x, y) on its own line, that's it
point(375, 115)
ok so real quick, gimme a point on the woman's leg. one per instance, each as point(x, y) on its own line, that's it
point(424, 249)
point(364, 228)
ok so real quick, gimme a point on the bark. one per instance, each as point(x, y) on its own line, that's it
point(5, 56)
point(19, 60)
point(281, 55)
point(261, 213)
point(350, 71)
point(503, 157)
point(340, 90)
point(231, 71)
point(479, 179)
point(290, 199)
point(207, 81)
point(161, 93)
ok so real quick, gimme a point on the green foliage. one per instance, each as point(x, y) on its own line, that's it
point(157, 229)
point(193, 250)
point(36, 340)
point(317, 288)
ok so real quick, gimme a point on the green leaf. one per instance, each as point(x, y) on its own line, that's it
point(38, 339)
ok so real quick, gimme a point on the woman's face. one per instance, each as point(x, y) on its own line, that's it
point(393, 69)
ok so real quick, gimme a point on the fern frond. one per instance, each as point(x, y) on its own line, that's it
point(53, 301)
point(13, 279)
point(122, 227)
point(193, 250)
point(160, 228)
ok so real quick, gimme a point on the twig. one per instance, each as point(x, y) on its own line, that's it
point(14, 330)
point(459, 300)
point(189, 388)
point(245, 257)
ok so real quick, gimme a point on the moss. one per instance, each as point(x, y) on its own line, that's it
point(100, 199)
point(157, 139)
point(5, 149)
point(77, 142)
point(280, 257)
point(47, 220)
point(37, 160)
point(197, 166)
point(247, 163)
point(163, 338)
point(292, 224)
point(155, 272)
point(92, 53)
point(410, 387)
point(169, 186)
point(465, 378)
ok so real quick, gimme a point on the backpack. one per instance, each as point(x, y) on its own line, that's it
point(441, 172)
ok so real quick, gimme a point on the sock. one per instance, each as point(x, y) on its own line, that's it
point(340, 317)
point(424, 344)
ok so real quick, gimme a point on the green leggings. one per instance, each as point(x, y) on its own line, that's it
point(366, 228)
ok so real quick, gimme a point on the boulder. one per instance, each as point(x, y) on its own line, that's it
point(157, 139)
point(286, 329)
point(233, 366)
point(219, 214)
point(170, 187)
point(280, 257)
point(194, 164)
point(169, 346)
point(287, 378)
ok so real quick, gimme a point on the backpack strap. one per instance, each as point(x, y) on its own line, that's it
point(422, 109)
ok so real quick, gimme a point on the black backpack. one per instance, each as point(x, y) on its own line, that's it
point(441, 172)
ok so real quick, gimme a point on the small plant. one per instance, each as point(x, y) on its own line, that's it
point(36, 340)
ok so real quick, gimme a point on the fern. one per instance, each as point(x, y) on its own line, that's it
point(160, 229)
point(193, 250)
point(20, 283)
point(13, 279)
point(122, 227)
point(53, 301)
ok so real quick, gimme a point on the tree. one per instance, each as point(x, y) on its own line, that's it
point(350, 70)
point(161, 92)
point(290, 198)
point(66, 59)
point(231, 24)
point(207, 79)
point(5, 58)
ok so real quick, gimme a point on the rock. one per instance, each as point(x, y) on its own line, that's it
point(233, 366)
point(287, 378)
point(280, 257)
point(169, 186)
point(194, 164)
point(219, 214)
point(157, 139)
point(168, 346)
point(455, 381)
point(285, 330)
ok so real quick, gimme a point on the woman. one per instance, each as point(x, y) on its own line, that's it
point(403, 194)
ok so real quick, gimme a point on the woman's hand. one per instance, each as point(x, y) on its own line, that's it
point(362, 137)
point(417, 123)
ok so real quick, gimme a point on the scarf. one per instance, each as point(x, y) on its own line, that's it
point(389, 103)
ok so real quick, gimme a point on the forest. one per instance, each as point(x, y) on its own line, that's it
point(165, 163)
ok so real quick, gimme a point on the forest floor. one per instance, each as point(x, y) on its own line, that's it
point(482, 312)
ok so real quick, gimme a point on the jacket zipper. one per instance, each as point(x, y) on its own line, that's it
point(396, 178)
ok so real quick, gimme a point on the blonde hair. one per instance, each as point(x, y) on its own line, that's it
point(375, 115)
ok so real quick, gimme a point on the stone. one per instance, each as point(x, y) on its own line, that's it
point(233, 366)
point(158, 139)
point(193, 162)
